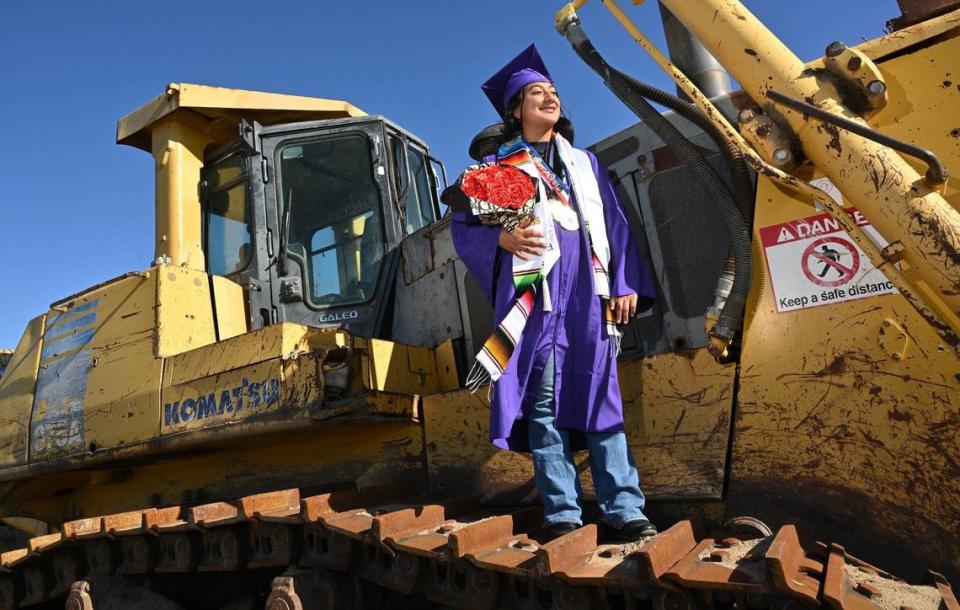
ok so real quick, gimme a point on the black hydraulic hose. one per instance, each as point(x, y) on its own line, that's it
point(741, 178)
point(731, 316)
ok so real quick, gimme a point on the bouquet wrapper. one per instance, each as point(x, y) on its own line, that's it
point(497, 195)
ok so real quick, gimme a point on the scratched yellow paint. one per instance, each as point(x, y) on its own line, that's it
point(677, 410)
point(832, 426)
point(184, 313)
point(270, 342)
point(110, 336)
point(404, 369)
point(96, 384)
point(16, 395)
point(447, 367)
point(284, 433)
point(280, 371)
point(324, 455)
point(924, 97)
point(122, 383)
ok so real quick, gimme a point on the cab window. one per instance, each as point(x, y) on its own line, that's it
point(328, 189)
point(415, 185)
point(226, 217)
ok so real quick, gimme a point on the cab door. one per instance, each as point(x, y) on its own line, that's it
point(327, 190)
point(237, 240)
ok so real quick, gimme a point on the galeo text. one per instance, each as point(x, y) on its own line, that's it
point(340, 316)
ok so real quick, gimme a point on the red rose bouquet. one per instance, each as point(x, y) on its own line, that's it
point(497, 194)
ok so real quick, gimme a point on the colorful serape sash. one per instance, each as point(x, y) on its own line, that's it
point(529, 275)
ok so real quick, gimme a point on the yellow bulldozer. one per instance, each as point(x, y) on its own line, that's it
point(273, 414)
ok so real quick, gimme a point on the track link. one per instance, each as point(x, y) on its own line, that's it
point(348, 550)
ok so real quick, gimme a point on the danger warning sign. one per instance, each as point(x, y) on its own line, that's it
point(813, 262)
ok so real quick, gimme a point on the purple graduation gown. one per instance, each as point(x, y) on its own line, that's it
point(586, 388)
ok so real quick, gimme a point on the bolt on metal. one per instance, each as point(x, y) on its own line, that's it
point(876, 87)
point(835, 48)
point(782, 155)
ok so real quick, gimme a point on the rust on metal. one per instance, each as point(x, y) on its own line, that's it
point(355, 523)
point(666, 549)
point(792, 571)
point(451, 552)
point(949, 598)
point(915, 11)
point(483, 536)
point(43, 543)
point(566, 551)
point(272, 505)
point(849, 584)
point(162, 518)
point(124, 523)
point(315, 507)
point(515, 556)
point(12, 558)
point(741, 569)
point(427, 543)
point(83, 529)
point(216, 513)
point(413, 519)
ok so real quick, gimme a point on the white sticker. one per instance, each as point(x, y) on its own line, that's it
point(813, 261)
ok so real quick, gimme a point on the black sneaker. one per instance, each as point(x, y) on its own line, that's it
point(554, 531)
point(633, 531)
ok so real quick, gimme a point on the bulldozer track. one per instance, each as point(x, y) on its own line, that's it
point(340, 550)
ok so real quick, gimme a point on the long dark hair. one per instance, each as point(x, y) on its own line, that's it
point(512, 126)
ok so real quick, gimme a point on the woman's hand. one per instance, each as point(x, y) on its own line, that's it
point(523, 241)
point(623, 308)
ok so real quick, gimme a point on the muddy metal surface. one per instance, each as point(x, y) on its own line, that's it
point(376, 549)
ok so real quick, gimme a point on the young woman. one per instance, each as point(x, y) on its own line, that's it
point(555, 387)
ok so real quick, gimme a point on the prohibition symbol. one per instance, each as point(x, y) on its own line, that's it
point(830, 261)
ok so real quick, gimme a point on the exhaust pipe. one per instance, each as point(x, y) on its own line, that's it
point(692, 58)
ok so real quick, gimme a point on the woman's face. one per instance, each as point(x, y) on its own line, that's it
point(540, 106)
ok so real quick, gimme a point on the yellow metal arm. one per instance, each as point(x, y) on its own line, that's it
point(927, 281)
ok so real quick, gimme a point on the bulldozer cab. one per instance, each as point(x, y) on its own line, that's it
point(302, 202)
point(308, 217)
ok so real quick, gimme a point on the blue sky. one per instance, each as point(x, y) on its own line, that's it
point(76, 209)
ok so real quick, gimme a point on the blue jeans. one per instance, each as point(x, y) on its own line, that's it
point(614, 472)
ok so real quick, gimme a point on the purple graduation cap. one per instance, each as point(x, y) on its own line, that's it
point(525, 68)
